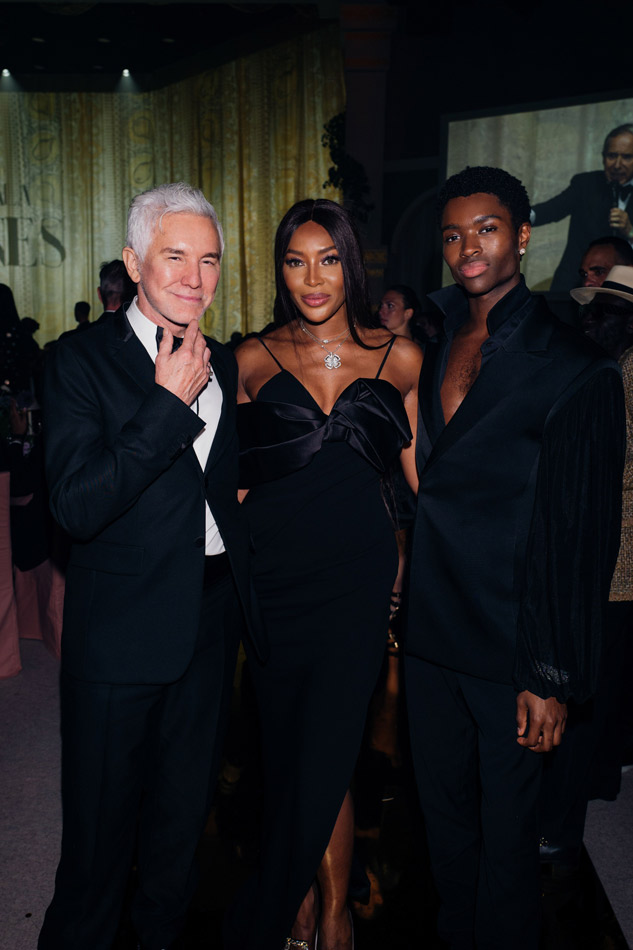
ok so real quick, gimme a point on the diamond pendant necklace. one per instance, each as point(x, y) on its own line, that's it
point(331, 359)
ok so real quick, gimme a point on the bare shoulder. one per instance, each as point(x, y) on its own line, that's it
point(407, 349)
point(403, 364)
point(251, 361)
point(407, 356)
point(248, 349)
point(258, 359)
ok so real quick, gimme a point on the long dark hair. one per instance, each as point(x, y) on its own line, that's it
point(340, 226)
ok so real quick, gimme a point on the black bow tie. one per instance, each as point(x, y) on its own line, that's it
point(176, 341)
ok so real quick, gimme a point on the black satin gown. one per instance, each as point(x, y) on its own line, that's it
point(325, 560)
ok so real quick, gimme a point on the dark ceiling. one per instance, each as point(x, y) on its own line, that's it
point(53, 46)
point(446, 57)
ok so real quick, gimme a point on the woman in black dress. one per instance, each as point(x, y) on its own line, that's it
point(327, 403)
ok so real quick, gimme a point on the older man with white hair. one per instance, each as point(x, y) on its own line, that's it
point(142, 472)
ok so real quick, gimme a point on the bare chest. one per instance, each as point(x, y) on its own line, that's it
point(464, 363)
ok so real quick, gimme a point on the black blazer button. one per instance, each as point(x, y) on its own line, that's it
point(199, 542)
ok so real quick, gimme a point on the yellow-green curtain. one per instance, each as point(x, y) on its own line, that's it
point(248, 133)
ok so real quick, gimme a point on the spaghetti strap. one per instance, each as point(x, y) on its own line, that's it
point(268, 350)
point(384, 359)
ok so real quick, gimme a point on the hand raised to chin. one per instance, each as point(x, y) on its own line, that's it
point(185, 372)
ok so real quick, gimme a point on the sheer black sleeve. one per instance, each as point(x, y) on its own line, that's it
point(573, 543)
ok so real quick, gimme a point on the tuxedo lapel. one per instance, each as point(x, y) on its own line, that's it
point(128, 351)
point(505, 375)
point(430, 408)
point(509, 371)
point(130, 354)
point(228, 396)
point(430, 416)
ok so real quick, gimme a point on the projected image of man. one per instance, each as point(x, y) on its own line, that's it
point(596, 202)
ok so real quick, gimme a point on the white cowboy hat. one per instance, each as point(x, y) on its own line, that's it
point(618, 282)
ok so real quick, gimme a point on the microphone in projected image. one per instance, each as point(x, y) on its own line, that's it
point(615, 195)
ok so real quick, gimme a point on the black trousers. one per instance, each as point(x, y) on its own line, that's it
point(479, 793)
point(139, 764)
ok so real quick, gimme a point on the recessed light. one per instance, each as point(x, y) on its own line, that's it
point(125, 73)
point(6, 73)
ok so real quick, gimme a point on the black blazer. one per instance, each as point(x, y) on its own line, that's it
point(126, 485)
point(587, 200)
point(473, 547)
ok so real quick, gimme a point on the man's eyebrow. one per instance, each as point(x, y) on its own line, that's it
point(180, 250)
point(477, 220)
point(323, 250)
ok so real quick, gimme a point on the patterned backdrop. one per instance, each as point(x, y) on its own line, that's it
point(248, 133)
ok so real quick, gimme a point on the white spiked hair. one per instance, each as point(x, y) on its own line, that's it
point(147, 210)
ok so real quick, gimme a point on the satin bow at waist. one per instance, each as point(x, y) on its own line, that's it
point(277, 437)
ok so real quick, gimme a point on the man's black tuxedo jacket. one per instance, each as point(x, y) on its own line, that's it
point(587, 199)
point(126, 485)
point(513, 549)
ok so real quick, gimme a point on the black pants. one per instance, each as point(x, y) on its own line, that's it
point(138, 769)
point(479, 793)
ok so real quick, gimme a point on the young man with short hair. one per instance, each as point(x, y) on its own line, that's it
point(520, 452)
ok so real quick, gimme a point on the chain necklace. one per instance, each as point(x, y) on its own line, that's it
point(331, 359)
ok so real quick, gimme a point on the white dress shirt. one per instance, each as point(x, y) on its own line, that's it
point(207, 406)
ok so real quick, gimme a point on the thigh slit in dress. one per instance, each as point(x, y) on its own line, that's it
point(324, 561)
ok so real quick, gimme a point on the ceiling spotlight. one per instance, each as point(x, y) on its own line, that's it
point(125, 73)
point(6, 73)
